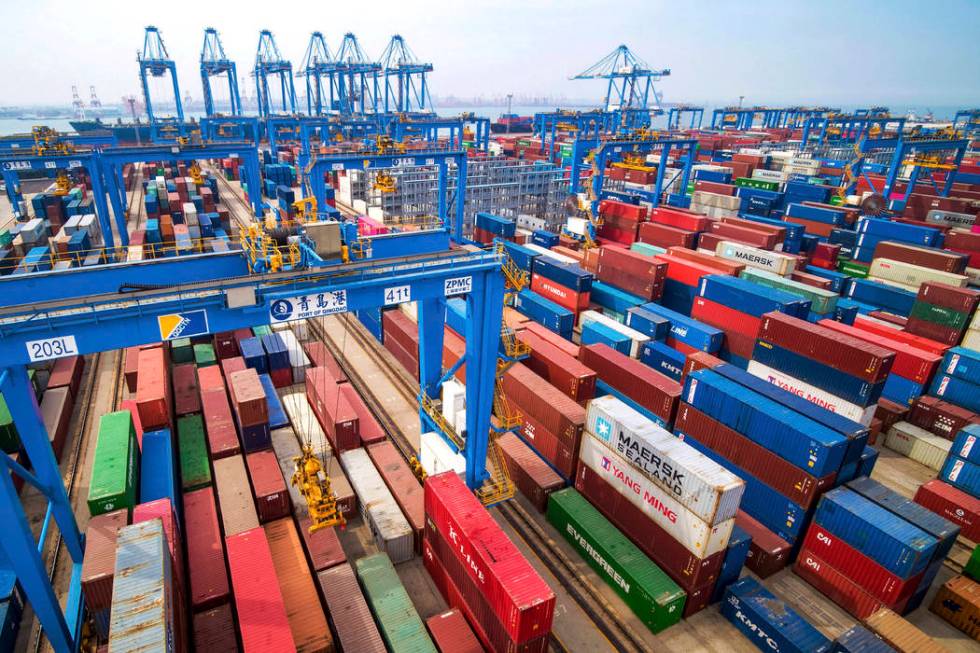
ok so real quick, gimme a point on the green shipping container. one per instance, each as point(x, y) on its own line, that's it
point(204, 355)
point(946, 317)
point(822, 301)
point(114, 482)
point(400, 625)
point(195, 468)
point(647, 248)
point(646, 588)
point(972, 568)
point(759, 184)
point(181, 351)
point(854, 269)
point(9, 440)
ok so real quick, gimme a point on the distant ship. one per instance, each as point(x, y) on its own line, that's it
point(125, 131)
point(513, 124)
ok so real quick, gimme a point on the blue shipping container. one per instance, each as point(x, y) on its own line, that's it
point(663, 358)
point(277, 416)
point(961, 474)
point(736, 553)
point(859, 639)
point(965, 443)
point(158, 472)
point(960, 392)
point(962, 363)
point(868, 459)
point(769, 623)
point(689, 331)
point(545, 312)
point(612, 298)
point(275, 350)
point(594, 331)
point(648, 323)
point(544, 238)
point(567, 274)
point(254, 354)
point(751, 298)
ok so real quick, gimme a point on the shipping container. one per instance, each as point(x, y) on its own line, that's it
point(187, 395)
point(404, 487)
point(392, 532)
point(958, 602)
point(306, 619)
point(900, 634)
point(558, 413)
point(835, 585)
point(115, 469)
point(349, 612)
point(768, 552)
point(532, 476)
point(158, 469)
point(646, 589)
point(647, 387)
point(56, 409)
point(234, 493)
point(368, 429)
point(451, 633)
point(559, 368)
point(67, 373)
point(858, 639)
point(397, 619)
point(953, 504)
point(268, 486)
point(332, 410)
point(99, 566)
point(195, 467)
point(918, 444)
point(323, 548)
point(206, 566)
point(768, 622)
point(153, 398)
point(219, 423)
point(214, 630)
point(262, 619)
point(248, 398)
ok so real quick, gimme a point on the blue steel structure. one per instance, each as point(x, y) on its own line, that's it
point(82, 311)
point(848, 128)
point(430, 127)
point(17, 144)
point(597, 154)
point(743, 119)
point(318, 67)
point(406, 88)
point(630, 80)
point(356, 78)
point(155, 62)
point(795, 117)
point(584, 124)
point(967, 122)
point(225, 129)
point(270, 64)
point(675, 116)
point(214, 63)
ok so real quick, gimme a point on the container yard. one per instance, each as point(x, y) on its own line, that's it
point(355, 375)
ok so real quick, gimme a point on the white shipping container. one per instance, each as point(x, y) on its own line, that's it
point(635, 336)
point(297, 357)
point(918, 444)
point(971, 339)
point(437, 456)
point(950, 218)
point(913, 275)
point(781, 264)
point(699, 483)
point(379, 510)
point(453, 399)
point(143, 599)
point(768, 175)
point(813, 394)
point(411, 310)
point(561, 258)
point(303, 419)
point(697, 536)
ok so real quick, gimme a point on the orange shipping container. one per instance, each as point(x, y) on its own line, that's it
point(153, 390)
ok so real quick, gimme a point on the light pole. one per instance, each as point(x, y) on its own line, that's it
point(510, 99)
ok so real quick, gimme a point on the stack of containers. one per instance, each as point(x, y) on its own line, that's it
point(678, 331)
point(823, 302)
point(632, 272)
point(938, 417)
point(736, 306)
point(836, 371)
point(565, 284)
point(641, 387)
point(480, 572)
point(216, 411)
point(533, 476)
point(685, 268)
point(684, 499)
point(864, 556)
point(401, 338)
point(280, 367)
point(332, 409)
point(943, 313)
point(251, 409)
point(599, 327)
point(560, 368)
point(546, 312)
point(958, 380)
point(620, 220)
point(961, 469)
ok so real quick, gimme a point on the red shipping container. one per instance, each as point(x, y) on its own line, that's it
point(896, 334)
point(225, 345)
point(641, 383)
point(452, 634)
point(728, 319)
point(206, 566)
point(665, 236)
point(219, 424)
point(559, 368)
point(625, 236)
point(778, 232)
point(231, 365)
point(939, 417)
point(787, 479)
point(163, 510)
point(810, 279)
point(546, 403)
point(405, 488)
point(686, 272)
point(693, 574)
point(680, 218)
point(768, 552)
point(332, 410)
point(752, 236)
point(473, 603)
point(562, 454)
point(721, 265)
point(214, 630)
point(187, 396)
point(130, 405)
point(715, 187)
point(405, 359)
point(532, 476)
point(862, 570)
point(954, 504)
point(210, 378)
point(632, 264)
point(67, 373)
point(559, 294)
point(848, 354)
point(281, 378)
point(935, 259)
point(933, 331)
point(518, 596)
point(453, 348)
point(153, 390)
point(320, 356)
point(368, 428)
point(399, 326)
point(248, 398)
point(836, 586)
point(910, 363)
point(261, 611)
point(963, 300)
point(698, 360)
point(623, 209)
point(812, 226)
point(322, 546)
point(56, 408)
point(131, 368)
point(99, 563)
point(550, 336)
point(268, 486)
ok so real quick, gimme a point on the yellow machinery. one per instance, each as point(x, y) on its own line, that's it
point(305, 209)
point(48, 141)
point(384, 183)
point(262, 251)
point(62, 184)
point(195, 173)
point(314, 485)
point(633, 161)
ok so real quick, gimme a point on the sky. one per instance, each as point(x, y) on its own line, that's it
point(892, 52)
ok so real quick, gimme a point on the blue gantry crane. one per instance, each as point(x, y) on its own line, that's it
point(631, 81)
point(214, 63)
point(269, 63)
point(154, 61)
point(320, 70)
point(357, 78)
point(406, 87)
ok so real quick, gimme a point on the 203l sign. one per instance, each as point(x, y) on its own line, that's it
point(458, 286)
point(59, 347)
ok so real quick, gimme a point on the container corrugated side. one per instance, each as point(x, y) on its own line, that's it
point(206, 565)
point(195, 468)
point(143, 598)
point(958, 602)
point(397, 619)
point(918, 444)
point(380, 511)
point(262, 619)
point(99, 563)
point(646, 589)
point(901, 634)
point(697, 536)
point(114, 470)
point(404, 487)
point(698, 483)
point(234, 496)
point(451, 633)
point(769, 623)
point(952, 503)
point(841, 589)
point(349, 611)
point(214, 630)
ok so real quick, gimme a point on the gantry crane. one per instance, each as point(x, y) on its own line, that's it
point(214, 63)
point(318, 66)
point(631, 81)
point(406, 87)
point(269, 63)
point(154, 61)
point(357, 78)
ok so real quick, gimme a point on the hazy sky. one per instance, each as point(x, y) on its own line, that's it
point(771, 51)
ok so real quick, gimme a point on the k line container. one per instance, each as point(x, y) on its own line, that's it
point(699, 484)
point(206, 563)
point(348, 611)
point(646, 589)
point(262, 619)
point(399, 623)
point(697, 536)
point(392, 532)
point(769, 623)
point(235, 503)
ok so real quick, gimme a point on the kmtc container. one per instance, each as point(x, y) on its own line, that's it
point(769, 623)
point(115, 468)
point(398, 621)
point(349, 612)
point(646, 589)
point(699, 484)
point(195, 467)
point(392, 532)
